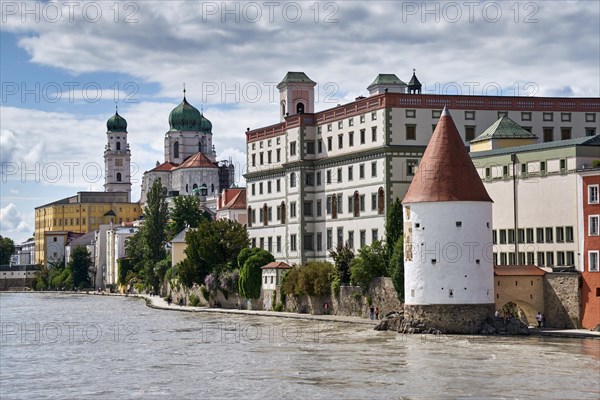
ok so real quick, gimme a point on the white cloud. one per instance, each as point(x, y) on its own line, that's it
point(11, 221)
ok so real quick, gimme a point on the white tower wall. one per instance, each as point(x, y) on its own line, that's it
point(445, 263)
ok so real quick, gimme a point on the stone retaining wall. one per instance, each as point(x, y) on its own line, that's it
point(455, 318)
point(562, 297)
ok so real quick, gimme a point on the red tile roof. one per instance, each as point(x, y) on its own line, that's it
point(197, 160)
point(446, 172)
point(234, 199)
point(276, 265)
point(166, 166)
point(508, 270)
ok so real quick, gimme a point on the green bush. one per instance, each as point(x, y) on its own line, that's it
point(335, 285)
point(278, 307)
point(369, 263)
point(313, 279)
point(194, 300)
point(205, 293)
point(357, 296)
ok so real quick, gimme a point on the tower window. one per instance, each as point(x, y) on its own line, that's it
point(176, 150)
point(300, 108)
point(118, 145)
point(118, 177)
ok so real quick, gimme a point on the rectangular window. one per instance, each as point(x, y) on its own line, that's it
point(511, 236)
point(435, 114)
point(278, 213)
point(540, 235)
point(373, 201)
point(268, 186)
point(361, 171)
point(262, 244)
point(502, 236)
point(565, 133)
point(529, 234)
point(560, 258)
point(278, 185)
point(292, 148)
point(309, 179)
point(495, 237)
point(511, 259)
point(279, 244)
point(503, 260)
point(340, 124)
point(590, 131)
point(308, 209)
point(525, 116)
point(541, 259)
point(362, 119)
point(570, 258)
point(308, 242)
point(329, 243)
point(593, 261)
point(593, 225)
point(319, 241)
point(340, 202)
point(351, 239)
point(374, 134)
point(521, 235)
point(411, 113)
point(569, 234)
point(319, 146)
point(560, 235)
point(530, 260)
point(319, 178)
point(362, 136)
point(350, 204)
point(590, 117)
point(260, 188)
point(253, 242)
point(340, 237)
point(270, 213)
point(329, 127)
point(411, 132)
point(319, 211)
point(329, 143)
point(495, 258)
point(328, 205)
point(270, 245)
point(351, 139)
point(548, 134)
point(374, 235)
point(350, 175)
point(362, 202)
point(293, 209)
point(339, 175)
point(548, 116)
point(411, 167)
point(549, 258)
point(469, 133)
point(374, 116)
point(469, 115)
point(549, 237)
point(373, 169)
point(565, 117)
point(328, 176)
point(363, 238)
point(340, 141)
point(254, 160)
point(269, 158)
point(310, 147)
point(293, 242)
point(278, 155)
point(593, 194)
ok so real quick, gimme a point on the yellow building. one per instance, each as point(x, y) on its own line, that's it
point(178, 247)
point(81, 213)
point(521, 285)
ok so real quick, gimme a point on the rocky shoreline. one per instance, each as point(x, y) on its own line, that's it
point(395, 321)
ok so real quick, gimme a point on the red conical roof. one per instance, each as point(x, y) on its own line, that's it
point(446, 172)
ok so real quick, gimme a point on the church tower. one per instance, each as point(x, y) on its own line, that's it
point(296, 95)
point(449, 273)
point(117, 157)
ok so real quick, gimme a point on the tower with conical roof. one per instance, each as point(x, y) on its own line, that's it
point(189, 133)
point(414, 86)
point(117, 157)
point(448, 238)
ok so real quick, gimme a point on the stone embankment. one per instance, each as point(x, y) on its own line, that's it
point(395, 321)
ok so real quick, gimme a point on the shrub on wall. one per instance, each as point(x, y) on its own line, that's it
point(194, 300)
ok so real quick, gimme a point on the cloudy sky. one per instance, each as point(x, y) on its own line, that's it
point(65, 64)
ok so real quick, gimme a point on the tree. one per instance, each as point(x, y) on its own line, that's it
point(7, 248)
point(394, 226)
point(186, 212)
point(214, 247)
point(79, 266)
point(342, 258)
point(251, 273)
point(368, 264)
point(396, 267)
point(154, 235)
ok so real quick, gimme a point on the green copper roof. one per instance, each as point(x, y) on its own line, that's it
point(386, 79)
point(186, 117)
point(295, 77)
point(116, 123)
point(582, 141)
point(504, 128)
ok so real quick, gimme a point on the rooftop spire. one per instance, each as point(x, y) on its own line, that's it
point(446, 172)
point(184, 90)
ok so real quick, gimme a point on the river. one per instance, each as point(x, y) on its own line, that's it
point(80, 346)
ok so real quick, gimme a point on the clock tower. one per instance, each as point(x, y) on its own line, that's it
point(117, 157)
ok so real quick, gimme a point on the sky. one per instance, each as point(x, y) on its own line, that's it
point(66, 65)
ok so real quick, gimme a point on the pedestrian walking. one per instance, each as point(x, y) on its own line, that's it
point(376, 312)
point(372, 312)
point(538, 318)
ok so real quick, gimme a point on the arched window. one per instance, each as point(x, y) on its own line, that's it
point(283, 107)
point(249, 217)
point(265, 215)
point(195, 186)
point(283, 215)
point(356, 205)
point(118, 177)
point(212, 188)
point(380, 201)
point(300, 108)
point(187, 188)
point(293, 179)
point(334, 207)
point(118, 145)
point(176, 150)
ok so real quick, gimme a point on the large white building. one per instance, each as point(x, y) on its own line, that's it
point(447, 238)
point(190, 165)
point(317, 180)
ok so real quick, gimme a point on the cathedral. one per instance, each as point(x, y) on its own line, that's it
point(190, 166)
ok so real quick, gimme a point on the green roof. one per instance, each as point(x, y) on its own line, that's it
point(386, 79)
point(583, 141)
point(295, 77)
point(414, 81)
point(186, 117)
point(116, 123)
point(504, 128)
